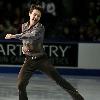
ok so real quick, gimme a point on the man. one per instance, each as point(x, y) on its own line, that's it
point(32, 39)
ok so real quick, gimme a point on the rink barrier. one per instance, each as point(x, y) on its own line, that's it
point(62, 71)
point(85, 57)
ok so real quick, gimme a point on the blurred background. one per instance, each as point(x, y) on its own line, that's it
point(70, 20)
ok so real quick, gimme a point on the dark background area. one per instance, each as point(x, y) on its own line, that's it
point(64, 20)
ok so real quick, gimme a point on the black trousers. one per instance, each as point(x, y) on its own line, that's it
point(41, 63)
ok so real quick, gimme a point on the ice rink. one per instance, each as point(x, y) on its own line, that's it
point(42, 87)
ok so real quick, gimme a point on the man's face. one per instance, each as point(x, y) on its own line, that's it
point(35, 16)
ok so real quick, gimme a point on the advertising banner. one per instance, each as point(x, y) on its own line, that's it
point(60, 54)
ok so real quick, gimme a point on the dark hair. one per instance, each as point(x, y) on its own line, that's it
point(37, 7)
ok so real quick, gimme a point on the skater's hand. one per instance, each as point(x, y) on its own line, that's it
point(9, 36)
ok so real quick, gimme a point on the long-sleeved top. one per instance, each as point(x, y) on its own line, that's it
point(32, 39)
